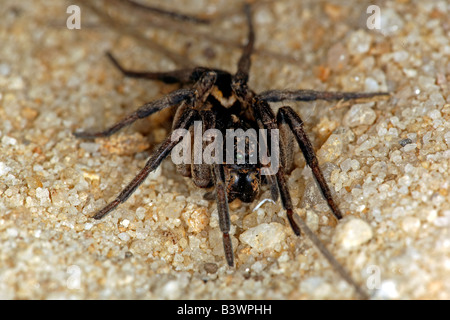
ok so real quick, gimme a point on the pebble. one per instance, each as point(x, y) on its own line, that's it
point(353, 233)
point(264, 236)
point(410, 224)
point(404, 142)
point(359, 42)
point(331, 149)
point(90, 147)
point(5, 69)
point(360, 114)
point(371, 85)
point(337, 57)
point(210, 267)
point(4, 169)
point(8, 141)
point(388, 290)
point(124, 236)
point(43, 195)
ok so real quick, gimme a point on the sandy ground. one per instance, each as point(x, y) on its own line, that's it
point(387, 161)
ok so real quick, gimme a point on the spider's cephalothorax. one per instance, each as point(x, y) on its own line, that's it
point(221, 100)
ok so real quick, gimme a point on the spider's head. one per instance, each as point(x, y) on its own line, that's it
point(242, 182)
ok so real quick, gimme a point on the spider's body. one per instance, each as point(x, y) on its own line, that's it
point(222, 101)
point(229, 113)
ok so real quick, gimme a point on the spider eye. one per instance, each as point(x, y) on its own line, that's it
point(234, 177)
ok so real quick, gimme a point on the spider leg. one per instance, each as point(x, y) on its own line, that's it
point(265, 115)
point(270, 179)
point(202, 90)
point(240, 78)
point(312, 95)
point(153, 163)
point(144, 111)
point(170, 14)
point(222, 209)
point(182, 76)
point(245, 59)
point(287, 115)
point(331, 259)
point(272, 182)
point(218, 175)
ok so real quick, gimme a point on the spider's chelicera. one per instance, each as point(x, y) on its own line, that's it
point(221, 101)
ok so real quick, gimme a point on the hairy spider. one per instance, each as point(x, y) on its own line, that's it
point(222, 100)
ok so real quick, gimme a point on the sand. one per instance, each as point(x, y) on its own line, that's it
point(387, 160)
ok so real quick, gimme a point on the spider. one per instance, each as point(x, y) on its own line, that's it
point(222, 100)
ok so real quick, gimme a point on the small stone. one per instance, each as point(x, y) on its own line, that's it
point(90, 147)
point(388, 290)
point(346, 165)
point(171, 290)
point(404, 142)
point(312, 220)
point(434, 114)
point(173, 210)
point(264, 236)
point(88, 226)
point(210, 267)
point(360, 114)
point(371, 85)
point(331, 149)
point(9, 141)
point(125, 223)
point(5, 69)
point(43, 195)
point(124, 236)
point(140, 213)
point(400, 56)
point(447, 138)
point(410, 224)
point(197, 219)
point(29, 113)
point(12, 232)
point(410, 147)
point(4, 169)
point(141, 233)
point(337, 57)
point(359, 42)
point(437, 99)
point(353, 233)
point(16, 83)
point(391, 22)
point(257, 267)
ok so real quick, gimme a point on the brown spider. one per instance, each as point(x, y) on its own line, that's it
point(222, 100)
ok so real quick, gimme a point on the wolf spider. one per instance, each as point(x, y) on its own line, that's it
point(223, 100)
